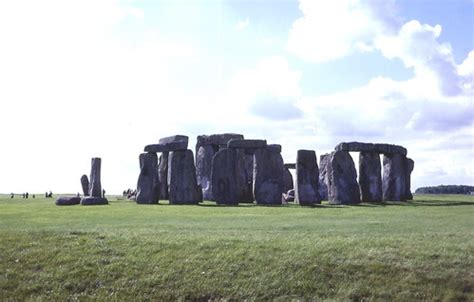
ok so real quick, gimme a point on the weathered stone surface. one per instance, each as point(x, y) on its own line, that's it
point(290, 166)
point(183, 187)
point(247, 143)
point(342, 179)
point(95, 186)
point(85, 184)
point(323, 187)
point(67, 201)
point(173, 139)
point(288, 183)
point(229, 179)
point(394, 182)
point(217, 139)
point(168, 147)
point(93, 201)
point(368, 147)
point(148, 186)
point(307, 178)
point(268, 184)
point(163, 175)
point(275, 148)
point(204, 157)
point(370, 177)
point(409, 165)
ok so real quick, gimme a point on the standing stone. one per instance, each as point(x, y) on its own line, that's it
point(287, 180)
point(229, 179)
point(268, 185)
point(248, 155)
point(95, 187)
point(163, 175)
point(203, 169)
point(409, 165)
point(370, 177)
point(85, 184)
point(394, 177)
point(323, 187)
point(148, 186)
point(183, 187)
point(342, 179)
point(307, 178)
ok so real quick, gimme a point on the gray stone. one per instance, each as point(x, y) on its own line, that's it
point(268, 184)
point(370, 177)
point(216, 139)
point(247, 143)
point(85, 184)
point(67, 201)
point(183, 187)
point(390, 149)
point(168, 147)
point(368, 147)
point(394, 182)
point(229, 179)
point(290, 166)
point(409, 165)
point(173, 139)
point(148, 186)
point(287, 180)
point(95, 186)
point(204, 157)
point(248, 197)
point(93, 201)
point(163, 175)
point(307, 178)
point(275, 148)
point(342, 179)
point(323, 187)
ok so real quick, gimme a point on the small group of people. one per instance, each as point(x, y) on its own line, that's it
point(48, 194)
point(24, 195)
point(129, 193)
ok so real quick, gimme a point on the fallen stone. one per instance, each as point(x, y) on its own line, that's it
point(67, 201)
point(148, 186)
point(204, 157)
point(247, 144)
point(93, 201)
point(268, 184)
point(370, 177)
point(85, 184)
point(168, 147)
point(409, 165)
point(323, 187)
point(307, 178)
point(183, 187)
point(95, 186)
point(394, 182)
point(342, 179)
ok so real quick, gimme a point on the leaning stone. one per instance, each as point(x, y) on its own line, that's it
point(409, 165)
point(370, 177)
point(95, 186)
point(93, 201)
point(394, 177)
point(323, 187)
point(287, 180)
point(168, 147)
point(67, 201)
point(204, 157)
point(85, 184)
point(290, 166)
point(307, 178)
point(342, 179)
point(229, 180)
point(247, 143)
point(268, 173)
point(183, 187)
point(148, 186)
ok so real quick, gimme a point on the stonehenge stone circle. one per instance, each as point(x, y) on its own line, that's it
point(323, 187)
point(307, 178)
point(268, 184)
point(67, 201)
point(342, 179)
point(394, 183)
point(95, 187)
point(85, 184)
point(370, 177)
point(148, 186)
point(183, 187)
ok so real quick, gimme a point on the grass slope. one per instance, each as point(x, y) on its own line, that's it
point(422, 250)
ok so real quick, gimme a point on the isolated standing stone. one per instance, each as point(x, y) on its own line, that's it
point(268, 184)
point(370, 177)
point(163, 175)
point(409, 165)
point(323, 187)
point(342, 179)
point(148, 186)
point(228, 177)
point(95, 186)
point(307, 178)
point(394, 177)
point(203, 169)
point(183, 187)
point(85, 184)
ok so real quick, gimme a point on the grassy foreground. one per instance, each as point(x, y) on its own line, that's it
point(422, 250)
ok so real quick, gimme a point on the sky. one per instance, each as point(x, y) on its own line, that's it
point(83, 79)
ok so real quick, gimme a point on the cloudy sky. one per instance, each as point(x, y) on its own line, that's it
point(80, 79)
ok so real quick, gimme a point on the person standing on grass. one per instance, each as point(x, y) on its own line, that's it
point(12, 195)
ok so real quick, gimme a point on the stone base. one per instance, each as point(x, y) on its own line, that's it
point(92, 201)
point(67, 201)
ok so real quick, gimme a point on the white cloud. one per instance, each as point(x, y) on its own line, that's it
point(242, 24)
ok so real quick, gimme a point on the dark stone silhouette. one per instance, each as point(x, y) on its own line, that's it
point(167, 147)
point(342, 179)
point(409, 165)
point(370, 177)
point(95, 187)
point(204, 159)
point(307, 178)
point(247, 143)
point(323, 187)
point(93, 201)
point(148, 186)
point(268, 184)
point(394, 182)
point(183, 187)
point(85, 184)
point(163, 175)
point(67, 201)
point(368, 147)
point(172, 139)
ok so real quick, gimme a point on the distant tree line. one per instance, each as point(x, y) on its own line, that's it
point(445, 189)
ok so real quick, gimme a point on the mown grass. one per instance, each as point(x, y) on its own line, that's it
point(420, 250)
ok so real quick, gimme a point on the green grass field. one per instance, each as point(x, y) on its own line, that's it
point(421, 250)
